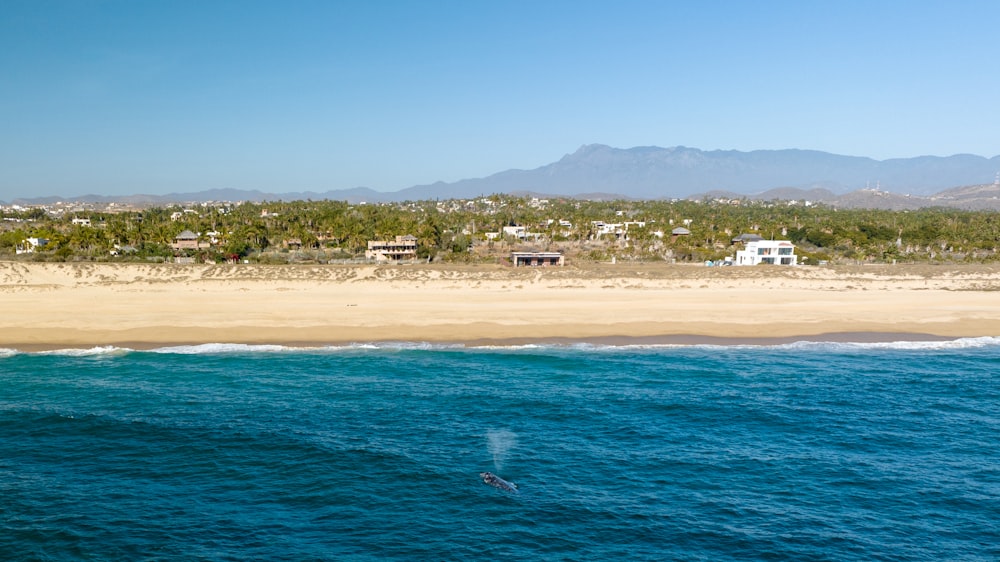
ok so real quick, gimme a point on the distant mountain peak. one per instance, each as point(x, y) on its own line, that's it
point(652, 172)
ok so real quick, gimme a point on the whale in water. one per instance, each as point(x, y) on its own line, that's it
point(497, 482)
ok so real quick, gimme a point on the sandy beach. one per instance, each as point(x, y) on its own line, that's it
point(61, 305)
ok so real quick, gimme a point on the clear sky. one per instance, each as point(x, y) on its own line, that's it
point(157, 96)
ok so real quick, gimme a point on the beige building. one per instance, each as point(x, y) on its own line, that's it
point(187, 240)
point(401, 249)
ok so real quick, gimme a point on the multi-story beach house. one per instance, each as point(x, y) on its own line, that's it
point(774, 252)
point(400, 249)
point(519, 232)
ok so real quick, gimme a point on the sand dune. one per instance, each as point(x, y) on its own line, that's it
point(75, 305)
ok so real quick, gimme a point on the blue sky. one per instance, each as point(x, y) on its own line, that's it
point(157, 96)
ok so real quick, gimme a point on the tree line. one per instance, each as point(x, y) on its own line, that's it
point(465, 230)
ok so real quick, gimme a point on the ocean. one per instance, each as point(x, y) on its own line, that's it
point(808, 451)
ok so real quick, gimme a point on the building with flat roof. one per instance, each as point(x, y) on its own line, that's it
point(774, 252)
point(536, 258)
point(29, 245)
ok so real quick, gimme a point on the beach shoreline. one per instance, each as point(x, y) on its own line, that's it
point(610, 341)
point(48, 306)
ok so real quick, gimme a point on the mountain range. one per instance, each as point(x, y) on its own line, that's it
point(601, 172)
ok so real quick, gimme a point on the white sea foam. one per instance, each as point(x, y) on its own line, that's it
point(960, 343)
point(88, 352)
point(215, 348)
point(235, 348)
point(581, 347)
point(412, 345)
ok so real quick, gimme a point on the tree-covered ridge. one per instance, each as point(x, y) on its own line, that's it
point(473, 230)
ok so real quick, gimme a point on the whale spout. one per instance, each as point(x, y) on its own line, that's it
point(498, 483)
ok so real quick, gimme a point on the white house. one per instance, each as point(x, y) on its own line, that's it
point(519, 232)
point(29, 245)
point(775, 252)
point(602, 228)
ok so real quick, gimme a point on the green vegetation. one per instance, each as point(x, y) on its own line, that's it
point(473, 231)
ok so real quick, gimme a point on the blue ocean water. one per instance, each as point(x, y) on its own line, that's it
point(791, 452)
